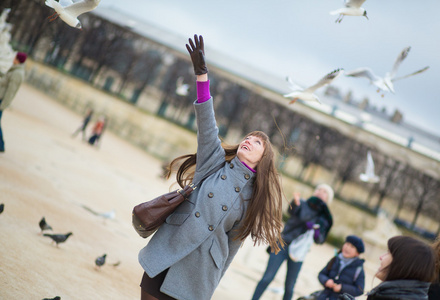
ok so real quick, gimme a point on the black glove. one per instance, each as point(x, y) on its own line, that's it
point(197, 53)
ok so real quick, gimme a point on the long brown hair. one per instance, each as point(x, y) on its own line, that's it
point(412, 259)
point(263, 219)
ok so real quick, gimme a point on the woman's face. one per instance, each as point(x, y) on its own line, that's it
point(349, 251)
point(321, 193)
point(250, 151)
point(385, 261)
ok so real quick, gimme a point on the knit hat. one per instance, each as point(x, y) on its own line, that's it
point(21, 56)
point(356, 242)
point(329, 191)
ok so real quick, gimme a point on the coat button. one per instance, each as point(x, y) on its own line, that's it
point(197, 214)
point(223, 177)
point(231, 166)
point(237, 189)
point(225, 208)
point(210, 195)
point(211, 228)
point(246, 176)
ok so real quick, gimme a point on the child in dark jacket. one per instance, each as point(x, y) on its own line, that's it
point(344, 273)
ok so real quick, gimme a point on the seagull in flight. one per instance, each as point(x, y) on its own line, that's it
point(352, 8)
point(369, 175)
point(181, 88)
point(307, 94)
point(69, 10)
point(385, 83)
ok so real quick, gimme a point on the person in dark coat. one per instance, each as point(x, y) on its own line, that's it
point(312, 213)
point(189, 254)
point(434, 289)
point(344, 273)
point(407, 270)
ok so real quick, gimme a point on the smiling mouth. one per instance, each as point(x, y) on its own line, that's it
point(245, 147)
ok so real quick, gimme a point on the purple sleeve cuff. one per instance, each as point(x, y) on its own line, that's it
point(203, 93)
point(316, 234)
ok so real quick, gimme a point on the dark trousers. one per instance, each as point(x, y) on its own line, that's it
point(275, 261)
point(2, 143)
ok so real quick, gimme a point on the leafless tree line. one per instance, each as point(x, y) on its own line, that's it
point(141, 63)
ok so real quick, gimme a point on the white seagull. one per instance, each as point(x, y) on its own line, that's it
point(385, 83)
point(69, 10)
point(307, 94)
point(369, 175)
point(352, 8)
point(181, 88)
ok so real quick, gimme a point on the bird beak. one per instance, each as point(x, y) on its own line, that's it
point(366, 17)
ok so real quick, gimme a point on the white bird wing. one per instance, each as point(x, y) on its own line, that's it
point(370, 165)
point(354, 3)
point(81, 7)
point(327, 79)
point(293, 85)
point(414, 73)
point(398, 61)
point(363, 72)
point(65, 3)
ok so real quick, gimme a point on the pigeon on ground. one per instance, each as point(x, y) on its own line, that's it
point(369, 175)
point(69, 10)
point(116, 264)
point(352, 8)
point(100, 261)
point(385, 83)
point(2, 207)
point(43, 225)
point(58, 238)
point(307, 94)
point(54, 298)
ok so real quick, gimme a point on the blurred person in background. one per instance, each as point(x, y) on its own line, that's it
point(312, 213)
point(9, 85)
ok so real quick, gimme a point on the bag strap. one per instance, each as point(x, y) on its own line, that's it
point(194, 186)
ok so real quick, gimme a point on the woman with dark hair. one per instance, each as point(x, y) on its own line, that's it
point(187, 257)
point(407, 270)
point(434, 289)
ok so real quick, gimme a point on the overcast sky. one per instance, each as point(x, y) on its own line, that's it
point(302, 40)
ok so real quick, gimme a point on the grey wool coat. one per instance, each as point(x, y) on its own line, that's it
point(196, 243)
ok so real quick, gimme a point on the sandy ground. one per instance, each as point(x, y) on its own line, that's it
point(46, 172)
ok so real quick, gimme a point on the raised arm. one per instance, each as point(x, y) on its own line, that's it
point(209, 150)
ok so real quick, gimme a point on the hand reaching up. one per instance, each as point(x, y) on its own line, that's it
point(197, 53)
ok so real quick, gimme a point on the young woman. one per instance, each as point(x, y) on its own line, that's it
point(407, 270)
point(304, 215)
point(189, 254)
point(344, 273)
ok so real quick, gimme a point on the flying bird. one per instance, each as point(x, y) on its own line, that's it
point(369, 175)
point(2, 207)
point(385, 83)
point(352, 8)
point(307, 94)
point(69, 10)
point(43, 225)
point(58, 238)
point(100, 261)
point(108, 215)
point(181, 88)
